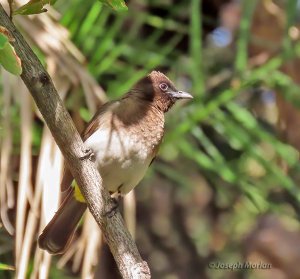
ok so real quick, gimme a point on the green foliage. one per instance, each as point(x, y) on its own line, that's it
point(244, 35)
point(37, 6)
point(6, 267)
point(33, 7)
point(291, 13)
point(3, 41)
point(8, 57)
point(196, 46)
point(117, 5)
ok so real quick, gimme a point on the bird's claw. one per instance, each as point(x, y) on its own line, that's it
point(88, 154)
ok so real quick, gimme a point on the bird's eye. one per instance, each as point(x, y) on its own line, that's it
point(163, 86)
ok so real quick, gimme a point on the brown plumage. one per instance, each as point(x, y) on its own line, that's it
point(124, 136)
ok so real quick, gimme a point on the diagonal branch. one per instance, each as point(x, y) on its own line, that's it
point(70, 143)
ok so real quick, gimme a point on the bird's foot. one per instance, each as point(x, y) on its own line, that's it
point(88, 154)
point(112, 207)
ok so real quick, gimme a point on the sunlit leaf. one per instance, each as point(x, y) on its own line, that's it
point(6, 267)
point(3, 41)
point(33, 7)
point(9, 60)
point(117, 5)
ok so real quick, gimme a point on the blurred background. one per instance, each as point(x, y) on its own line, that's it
point(225, 186)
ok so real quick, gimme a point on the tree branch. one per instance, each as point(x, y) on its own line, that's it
point(70, 143)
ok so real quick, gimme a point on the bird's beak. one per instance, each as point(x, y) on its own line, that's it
point(180, 95)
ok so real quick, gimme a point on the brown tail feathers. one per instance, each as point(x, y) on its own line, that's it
point(58, 233)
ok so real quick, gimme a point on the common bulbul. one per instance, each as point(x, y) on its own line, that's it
point(124, 136)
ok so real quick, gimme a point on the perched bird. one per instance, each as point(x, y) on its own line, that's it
point(124, 137)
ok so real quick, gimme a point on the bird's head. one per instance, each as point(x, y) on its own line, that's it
point(159, 90)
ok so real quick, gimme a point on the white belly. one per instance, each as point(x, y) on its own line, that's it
point(122, 160)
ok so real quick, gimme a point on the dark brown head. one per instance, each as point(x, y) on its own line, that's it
point(159, 90)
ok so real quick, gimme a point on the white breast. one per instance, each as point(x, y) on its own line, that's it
point(122, 159)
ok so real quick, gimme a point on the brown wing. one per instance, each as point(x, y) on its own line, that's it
point(94, 124)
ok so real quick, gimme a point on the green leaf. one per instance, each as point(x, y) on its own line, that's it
point(6, 267)
point(34, 7)
point(117, 5)
point(244, 36)
point(9, 60)
point(3, 41)
point(196, 47)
